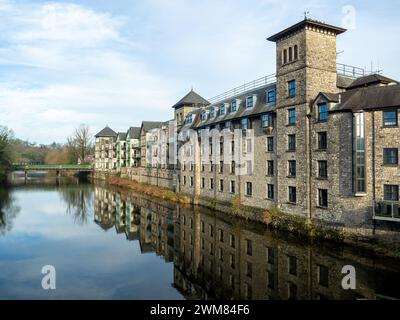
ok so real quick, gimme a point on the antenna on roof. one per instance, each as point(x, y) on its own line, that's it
point(306, 13)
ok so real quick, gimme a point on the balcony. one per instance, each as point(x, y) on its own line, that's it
point(387, 210)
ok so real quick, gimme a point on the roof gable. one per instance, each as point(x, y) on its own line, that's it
point(192, 98)
point(106, 132)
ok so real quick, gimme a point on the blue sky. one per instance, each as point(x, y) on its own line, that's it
point(119, 62)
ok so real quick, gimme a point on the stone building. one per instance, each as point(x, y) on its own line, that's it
point(318, 139)
point(133, 147)
point(105, 150)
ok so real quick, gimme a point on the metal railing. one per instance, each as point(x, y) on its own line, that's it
point(255, 84)
point(352, 71)
point(386, 210)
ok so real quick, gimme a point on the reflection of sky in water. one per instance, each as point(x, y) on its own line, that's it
point(90, 263)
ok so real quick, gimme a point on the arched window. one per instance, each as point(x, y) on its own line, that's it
point(296, 52)
point(284, 56)
point(290, 54)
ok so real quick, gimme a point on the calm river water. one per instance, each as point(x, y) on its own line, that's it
point(108, 244)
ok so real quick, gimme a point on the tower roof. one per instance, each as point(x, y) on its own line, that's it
point(306, 23)
point(106, 132)
point(190, 99)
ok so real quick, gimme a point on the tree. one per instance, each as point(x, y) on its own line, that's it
point(80, 144)
point(6, 152)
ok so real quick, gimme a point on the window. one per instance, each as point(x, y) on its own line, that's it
point(233, 147)
point(270, 191)
point(271, 96)
point(211, 231)
point(221, 254)
point(232, 240)
point(233, 167)
point(221, 235)
point(292, 265)
point(249, 247)
point(232, 186)
point(212, 184)
point(233, 106)
point(323, 276)
point(322, 140)
point(390, 156)
point(270, 167)
point(296, 52)
point(221, 167)
point(244, 123)
point(390, 118)
point(322, 112)
point(271, 256)
point(284, 56)
point(249, 167)
point(292, 168)
point(211, 166)
point(271, 280)
point(223, 109)
point(249, 269)
point(292, 88)
point(391, 192)
point(292, 194)
point(212, 112)
point(267, 120)
point(291, 142)
point(232, 261)
point(221, 185)
point(249, 188)
point(359, 154)
point(250, 102)
point(270, 144)
point(184, 180)
point(292, 291)
point(204, 116)
point(292, 116)
point(322, 169)
point(323, 198)
point(228, 125)
point(290, 54)
point(191, 181)
point(202, 183)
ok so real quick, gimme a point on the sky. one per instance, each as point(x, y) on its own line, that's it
point(117, 63)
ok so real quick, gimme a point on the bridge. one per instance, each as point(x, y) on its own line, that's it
point(58, 168)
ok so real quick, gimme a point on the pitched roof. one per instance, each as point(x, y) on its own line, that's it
point(344, 82)
point(121, 136)
point(371, 79)
point(192, 98)
point(148, 125)
point(305, 23)
point(369, 98)
point(106, 132)
point(134, 132)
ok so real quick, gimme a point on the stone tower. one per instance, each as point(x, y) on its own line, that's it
point(305, 66)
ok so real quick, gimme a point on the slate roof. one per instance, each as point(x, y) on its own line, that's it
point(192, 98)
point(301, 25)
point(134, 132)
point(372, 79)
point(148, 125)
point(369, 98)
point(106, 132)
point(121, 136)
point(344, 82)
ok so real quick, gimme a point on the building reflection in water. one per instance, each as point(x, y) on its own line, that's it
point(217, 257)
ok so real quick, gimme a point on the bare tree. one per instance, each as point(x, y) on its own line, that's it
point(80, 144)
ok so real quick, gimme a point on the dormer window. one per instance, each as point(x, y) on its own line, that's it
point(322, 112)
point(234, 106)
point(203, 116)
point(212, 112)
point(223, 109)
point(189, 119)
point(271, 96)
point(250, 102)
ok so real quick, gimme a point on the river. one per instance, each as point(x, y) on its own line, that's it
point(105, 243)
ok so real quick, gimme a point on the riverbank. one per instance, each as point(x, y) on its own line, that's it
point(273, 218)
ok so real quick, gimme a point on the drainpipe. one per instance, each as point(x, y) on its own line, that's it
point(373, 170)
point(309, 173)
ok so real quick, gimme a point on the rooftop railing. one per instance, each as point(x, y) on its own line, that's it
point(255, 84)
point(352, 71)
